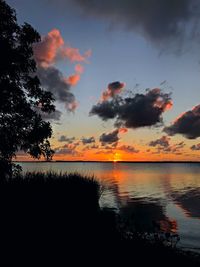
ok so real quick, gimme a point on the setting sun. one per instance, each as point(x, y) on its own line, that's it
point(116, 157)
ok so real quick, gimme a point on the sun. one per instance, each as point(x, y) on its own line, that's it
point(116, 157)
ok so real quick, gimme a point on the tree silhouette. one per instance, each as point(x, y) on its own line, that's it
point(21, 126)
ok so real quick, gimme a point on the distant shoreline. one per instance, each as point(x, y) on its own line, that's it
point(96, 161)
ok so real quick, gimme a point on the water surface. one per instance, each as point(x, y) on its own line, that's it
point(148, 192)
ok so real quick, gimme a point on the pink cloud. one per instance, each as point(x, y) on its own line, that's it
point(45, 52)
point(79, 68)
point(73, 54)
point(53, 48)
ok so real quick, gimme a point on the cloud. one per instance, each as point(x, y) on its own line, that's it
point(94, 146)
point(54, 81)
point(163, 22)
point(64, 138)
point(137, 111)
point(123, 130)
point(195, 147)
point(112, 90)
point(163, 142)
point(73, 79)
point(55, 115)
point(68, 149)
point(128, 149)
point(73, 54)
point(52, 48)
point(88, 140)
point(79, 68)
point(88, 147)
point(187, 124)
point(179, 145)
point(104, 152)
point(109, 138)
point(163, 145)
point(105, 110)
point(71, 145)
point(45, 52)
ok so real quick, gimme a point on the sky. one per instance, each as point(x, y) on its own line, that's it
point(125, 75)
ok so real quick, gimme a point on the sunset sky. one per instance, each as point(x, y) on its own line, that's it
point(125, 75)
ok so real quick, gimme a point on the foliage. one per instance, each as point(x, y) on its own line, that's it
point(21, 126)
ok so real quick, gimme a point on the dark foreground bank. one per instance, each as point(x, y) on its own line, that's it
point(56, 219)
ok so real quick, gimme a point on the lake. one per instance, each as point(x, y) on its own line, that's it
point(149, 192)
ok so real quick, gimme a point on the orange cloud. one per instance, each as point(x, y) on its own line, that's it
point(123, 130)
point(169, 105)
point(53, 48)
point(45, 52)
point(73, 79)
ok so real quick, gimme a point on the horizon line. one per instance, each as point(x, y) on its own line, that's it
point(105, 161)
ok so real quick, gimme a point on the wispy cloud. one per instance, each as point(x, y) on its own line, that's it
point(165, 23)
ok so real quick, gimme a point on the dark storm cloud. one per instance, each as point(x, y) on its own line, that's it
point(195, 147)
point(54, 81)
point(88, 140)
point(109, 138)
point(187, 124)
point(137, 111)
point(64, 138)
point(161, 21)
